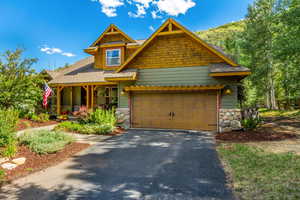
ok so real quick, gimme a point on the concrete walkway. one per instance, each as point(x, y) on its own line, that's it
point(137, 165)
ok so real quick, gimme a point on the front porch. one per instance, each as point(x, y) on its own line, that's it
point(70, 98)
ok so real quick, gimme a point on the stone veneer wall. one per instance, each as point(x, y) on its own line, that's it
point(229, 120)
point(123, 116)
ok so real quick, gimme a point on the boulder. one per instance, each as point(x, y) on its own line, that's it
point(19, 161)
point(2, 160)
point(8, 166)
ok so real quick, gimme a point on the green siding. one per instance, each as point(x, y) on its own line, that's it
point(77, 96)
point(123, 99)
point(230, 101)
point(176, 76)
point(66, 96)
point(181, 76)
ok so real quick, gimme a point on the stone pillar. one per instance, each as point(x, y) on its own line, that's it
point(123, 116)
point(229, 120)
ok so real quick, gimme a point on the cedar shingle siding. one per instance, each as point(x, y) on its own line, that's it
point(173, 51)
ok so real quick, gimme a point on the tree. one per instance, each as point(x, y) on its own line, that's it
point(259, 38)
point(19, 83)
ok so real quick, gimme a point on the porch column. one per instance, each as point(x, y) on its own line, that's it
point(58, 99)
point(88, 97)
point(71, 99)
point(92, 96)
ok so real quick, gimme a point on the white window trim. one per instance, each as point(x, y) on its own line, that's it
point(107, 50)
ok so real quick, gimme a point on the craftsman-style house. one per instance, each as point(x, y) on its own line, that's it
point(172, 80)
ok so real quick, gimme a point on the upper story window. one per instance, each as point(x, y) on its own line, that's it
point(113, 57)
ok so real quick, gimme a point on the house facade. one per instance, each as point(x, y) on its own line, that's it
point(172, 80)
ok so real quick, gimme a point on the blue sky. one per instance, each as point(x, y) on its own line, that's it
point(56, 31)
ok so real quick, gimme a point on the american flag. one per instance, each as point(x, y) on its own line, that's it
point(47, 93)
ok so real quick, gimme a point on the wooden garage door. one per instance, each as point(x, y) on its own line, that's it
point(191, 111)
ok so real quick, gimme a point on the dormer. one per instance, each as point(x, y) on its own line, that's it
point(112, 48)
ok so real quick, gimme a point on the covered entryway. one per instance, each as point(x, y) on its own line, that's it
point(175, 110)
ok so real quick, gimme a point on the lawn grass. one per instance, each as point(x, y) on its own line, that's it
point(279, 113)
point(260, 175)
point(44, 141)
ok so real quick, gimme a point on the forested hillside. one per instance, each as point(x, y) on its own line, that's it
point(267, 41)
point(218, 36)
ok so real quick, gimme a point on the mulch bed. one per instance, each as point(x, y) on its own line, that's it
point(117, 131)
point(253, 136)
point(26, 123)
point(36, 162)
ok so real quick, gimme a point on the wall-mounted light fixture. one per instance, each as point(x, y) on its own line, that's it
point(227, 91)
point(122, 93)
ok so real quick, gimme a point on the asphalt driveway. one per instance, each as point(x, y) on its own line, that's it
point(138, 165)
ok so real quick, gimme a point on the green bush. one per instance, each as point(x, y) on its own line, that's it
point(87, 128)
point(251, 123)
point(42, 117)
point(43, 142)
point(10, 149)
point(2, 175)
point(101, 117)
point(8, 122)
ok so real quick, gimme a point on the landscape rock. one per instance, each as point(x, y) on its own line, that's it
point(8, 166)
point(2, 160)
point(19, 161)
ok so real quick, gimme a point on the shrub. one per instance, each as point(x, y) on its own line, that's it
point(43, 142)
point(8, 121)
point(10, 149)
point(87, 128)
point(2, 175)
point(102, 117)
point(42, 117)
point(251, 123)
point(68, 126)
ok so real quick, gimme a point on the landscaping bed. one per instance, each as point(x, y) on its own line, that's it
point(36, 162)
point(256, 174)
point(26, 123)
point(251, 136)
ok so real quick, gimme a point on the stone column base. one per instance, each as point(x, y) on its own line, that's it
point(229, 120)
point(123, 116)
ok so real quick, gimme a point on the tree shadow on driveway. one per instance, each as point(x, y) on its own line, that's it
point(141, 165)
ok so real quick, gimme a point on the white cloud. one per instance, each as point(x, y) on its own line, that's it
point(174, 7)
point(50, 51)
point(139, 13)
point(155, 15)
point(151, 28)
point(109, 7)
point(54, 50)
point(155, 7)
point(68, 54)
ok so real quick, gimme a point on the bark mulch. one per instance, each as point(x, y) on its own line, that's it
point(36, 162)
point(117, 131)
point(26, 123)
point(253, 136)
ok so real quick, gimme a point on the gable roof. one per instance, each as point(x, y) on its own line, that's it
point(168, 24)
point(112, 29)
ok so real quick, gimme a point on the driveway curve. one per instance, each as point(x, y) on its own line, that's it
point(141, 164)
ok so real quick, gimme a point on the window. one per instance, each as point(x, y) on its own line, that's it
point(113, 57)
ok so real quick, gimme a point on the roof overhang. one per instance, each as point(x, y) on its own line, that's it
point(81, 84)
point(221, 74)
point(91, 50)
point(118, 79)
point(138, 88)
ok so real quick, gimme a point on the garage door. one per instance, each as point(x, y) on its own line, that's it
point(191, 111)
